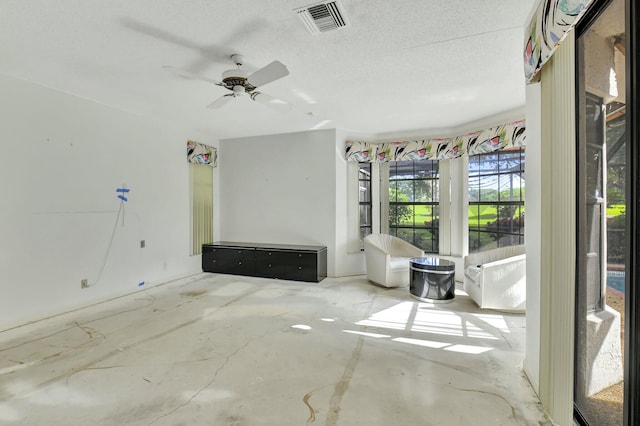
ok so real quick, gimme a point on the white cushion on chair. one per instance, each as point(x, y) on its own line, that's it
point(398, 263)
point(387, 259)
point(473, 272)
point(496, 279)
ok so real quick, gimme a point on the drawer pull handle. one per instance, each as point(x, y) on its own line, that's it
point(239, 263)
point(299, 267)
point(269, 265)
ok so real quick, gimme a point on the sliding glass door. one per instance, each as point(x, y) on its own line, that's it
point(606, 382)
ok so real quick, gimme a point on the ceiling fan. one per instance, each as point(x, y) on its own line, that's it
point(240, 83)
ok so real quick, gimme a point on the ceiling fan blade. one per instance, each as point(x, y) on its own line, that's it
point(186, 74)
point(270, 101)
point(220, 101)
point(157, 33)
point(220, 53)
point(269, 73)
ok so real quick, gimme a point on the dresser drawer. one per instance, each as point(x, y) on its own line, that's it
point(271, 264)
point(228, 260)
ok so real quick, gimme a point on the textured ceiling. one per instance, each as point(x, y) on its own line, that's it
point(401, 66)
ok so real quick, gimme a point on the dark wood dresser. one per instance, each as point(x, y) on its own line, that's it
point(281, 261)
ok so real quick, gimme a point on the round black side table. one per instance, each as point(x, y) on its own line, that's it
point(432, 279)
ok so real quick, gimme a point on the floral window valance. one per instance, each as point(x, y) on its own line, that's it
point(198, 153)
point(552, 20)
point(493, 139)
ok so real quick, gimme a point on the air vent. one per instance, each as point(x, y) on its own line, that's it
point(322, 17)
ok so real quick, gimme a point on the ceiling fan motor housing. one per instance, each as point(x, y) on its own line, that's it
point(236, 77)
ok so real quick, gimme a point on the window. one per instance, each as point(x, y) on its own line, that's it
point(413, 202)
point(364, 199)
point(496, 200)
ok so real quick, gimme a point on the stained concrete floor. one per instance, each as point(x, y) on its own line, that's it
point(228, 350)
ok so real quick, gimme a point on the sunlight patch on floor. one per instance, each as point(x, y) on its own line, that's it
point(411, 316)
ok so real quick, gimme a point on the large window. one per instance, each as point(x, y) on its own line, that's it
point(402, 198)
point(364, 199)
point(413, 202)
point(496, 200)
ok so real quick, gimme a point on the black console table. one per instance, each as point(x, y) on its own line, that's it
point(283, 261)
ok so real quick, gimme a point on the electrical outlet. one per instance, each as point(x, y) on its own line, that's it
point(142, 243)
point(84, 283)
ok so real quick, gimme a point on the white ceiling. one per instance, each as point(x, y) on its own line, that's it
point(400, 67)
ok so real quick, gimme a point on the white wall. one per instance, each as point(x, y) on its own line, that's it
point(280, 189)
point(61, 160)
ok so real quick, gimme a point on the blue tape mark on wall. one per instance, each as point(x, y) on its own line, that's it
point(121, 191)
point(141, 283)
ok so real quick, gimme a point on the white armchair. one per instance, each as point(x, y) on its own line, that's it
point(496, 279)
point(387, 259)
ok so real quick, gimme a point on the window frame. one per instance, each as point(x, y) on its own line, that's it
point(363, 169)
point(433, 178)
point(497, 234)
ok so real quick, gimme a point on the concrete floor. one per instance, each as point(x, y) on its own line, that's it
point(225, 350)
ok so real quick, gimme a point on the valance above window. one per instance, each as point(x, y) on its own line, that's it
point(493, 139)
point(198, 153)
point(552, 20)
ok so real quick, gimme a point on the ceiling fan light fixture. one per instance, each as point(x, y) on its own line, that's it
point(238, 90)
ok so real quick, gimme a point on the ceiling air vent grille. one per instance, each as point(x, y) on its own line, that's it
point(322, 17)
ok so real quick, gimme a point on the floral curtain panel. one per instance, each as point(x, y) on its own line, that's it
point(493, 139)
point(198, 153)
point(551, 22)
